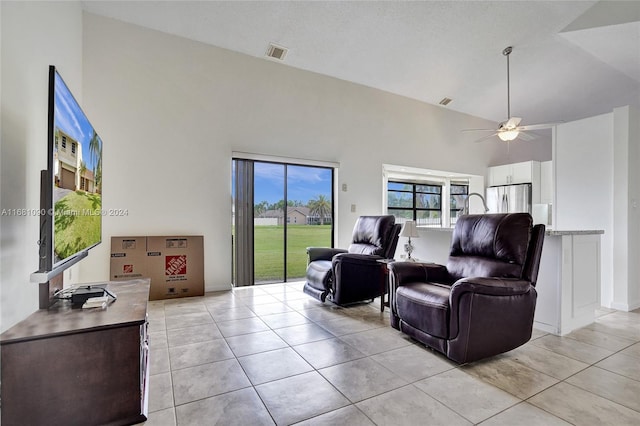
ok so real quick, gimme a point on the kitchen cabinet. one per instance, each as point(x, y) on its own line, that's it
point(568, 283)
point(546, 182)
point(511, 174)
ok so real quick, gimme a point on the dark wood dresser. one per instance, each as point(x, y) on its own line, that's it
point(64, 366)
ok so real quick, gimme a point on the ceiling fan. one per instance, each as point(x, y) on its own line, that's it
point(511, 129)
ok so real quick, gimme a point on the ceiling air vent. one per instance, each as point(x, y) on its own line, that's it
point(276, 52)
point(445, 101)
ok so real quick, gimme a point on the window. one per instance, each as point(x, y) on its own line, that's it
point(459, 193)
point(73, 147)
point(64, 142)
point(421, 202)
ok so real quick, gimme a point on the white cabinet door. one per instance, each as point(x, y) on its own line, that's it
point(521, 172)
point(511, 174)
point(500, 175)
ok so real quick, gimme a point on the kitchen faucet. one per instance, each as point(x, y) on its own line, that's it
point(465, 209)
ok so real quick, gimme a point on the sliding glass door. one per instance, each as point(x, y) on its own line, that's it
point(289, 208)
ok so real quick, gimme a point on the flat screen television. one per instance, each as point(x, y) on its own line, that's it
point(71, 187)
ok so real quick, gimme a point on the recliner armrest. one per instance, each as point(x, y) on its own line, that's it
point(491, 286)
point(361, 259)
point(410, 272)
point(323, 253)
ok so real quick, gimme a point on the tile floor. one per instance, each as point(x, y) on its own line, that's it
point(273, 355)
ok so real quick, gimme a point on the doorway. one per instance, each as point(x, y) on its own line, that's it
point(280, 209)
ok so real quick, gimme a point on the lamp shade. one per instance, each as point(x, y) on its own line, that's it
point(409, 229)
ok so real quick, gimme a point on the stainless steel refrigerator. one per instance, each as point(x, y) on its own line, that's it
point(509, 198)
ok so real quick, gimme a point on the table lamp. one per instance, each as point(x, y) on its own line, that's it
point(409, 230)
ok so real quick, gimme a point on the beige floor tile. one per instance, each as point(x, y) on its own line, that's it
point(580, 407)
point(624, 365)
point(242, 408)
point(276, 307)
point(602, 340)
point(609, 385)
point(572, 348)
point(241, 326)
point(349, 415)
point(166, 417)
point(262, 341)
point(183, 309)
point(273, 365)
point(304, 333)
point(324, 313)
point(202, 381)
point(466, 395)
point(510, 376)
point(303, 304)
point(195, 334)
point(414, 362)
point(524, 414)
point(188, 320)
point(328, 352)
point(633, 351)
point(409, 406)
point(159, 360)
point(230, 314)
point(347, 325)
point(378, 340)
point(199, 353)
point(263, 299)
point(301, 397)
point(546, 361)
point(160, 392)
point(361, 379)
point(617, 327)
point(281, 320)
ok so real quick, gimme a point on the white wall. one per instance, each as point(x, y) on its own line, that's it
point(634, 212)
point(596, 175)
point(170, 112)
point(34, 35)
point(583, 176)
point(626, 278)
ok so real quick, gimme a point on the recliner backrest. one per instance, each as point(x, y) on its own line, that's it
point(373, 235)
point(490, 245)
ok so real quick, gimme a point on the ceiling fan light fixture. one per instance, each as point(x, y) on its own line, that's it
point(508, 135)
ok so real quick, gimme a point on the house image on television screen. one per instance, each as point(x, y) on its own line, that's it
point(70, 170)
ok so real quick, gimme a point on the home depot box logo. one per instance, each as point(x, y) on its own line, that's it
point(127, 269)
point(175, 265)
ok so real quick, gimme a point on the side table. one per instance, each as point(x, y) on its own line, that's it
point(384, 285)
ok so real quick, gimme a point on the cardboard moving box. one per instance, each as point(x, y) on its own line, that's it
point(128, 258)
point(175, 264)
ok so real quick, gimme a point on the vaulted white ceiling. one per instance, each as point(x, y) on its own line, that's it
point(570, 60)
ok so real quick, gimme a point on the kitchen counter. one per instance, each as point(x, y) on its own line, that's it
point(548, 232)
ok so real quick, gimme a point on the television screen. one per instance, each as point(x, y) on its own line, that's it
point(74, 174)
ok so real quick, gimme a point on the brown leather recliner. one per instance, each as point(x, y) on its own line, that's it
point(482, 302)
point(353, 275)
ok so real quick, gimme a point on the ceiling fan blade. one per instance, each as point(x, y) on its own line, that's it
point(539, 126)
point(527, 136)
point(484, 138)
point(512, 122)
point(478, 130)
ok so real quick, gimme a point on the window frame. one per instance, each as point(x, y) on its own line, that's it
point(414, 196)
